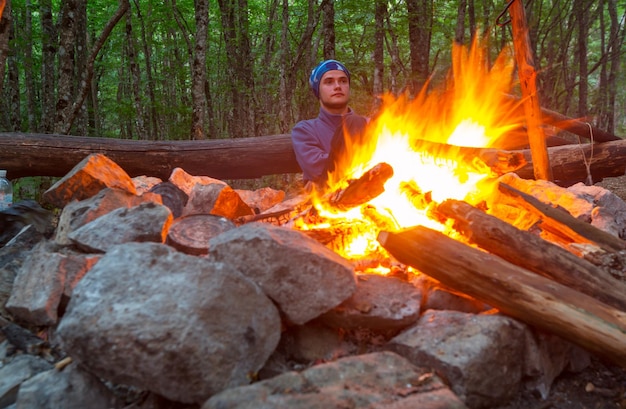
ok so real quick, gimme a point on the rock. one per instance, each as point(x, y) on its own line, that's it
point(147, 222)
point(71, 388)
point(302, 276)
point(546, 357)
point(379, 303)
point(217, 199)
point(261, 199)
point(376, 380)
point(480, 356)
point(186, 182)
point(15, 372)
point(609, 210)
point(86, 179)
point(78, 213)
point(181, 326)
point(38, 288)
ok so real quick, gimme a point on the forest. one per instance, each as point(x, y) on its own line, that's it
point(192, 70)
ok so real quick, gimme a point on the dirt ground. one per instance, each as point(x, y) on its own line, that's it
point(602, 385)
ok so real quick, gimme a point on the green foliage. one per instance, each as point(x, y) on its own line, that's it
point(168, 32)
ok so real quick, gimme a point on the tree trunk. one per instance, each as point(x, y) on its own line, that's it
point(88, 73)
point(420, 17)
point(153, 132)
point(379, 37)
point(198, 71)
point(581, 10)
point(82, 56)
point(459, 32)
point(6, 22)
point(14, 90)
point(66, 64)
point(328, 29)
point(517, 292)
point(28, 68)
point(49, 50)
point(617, 39)
point(135, 79)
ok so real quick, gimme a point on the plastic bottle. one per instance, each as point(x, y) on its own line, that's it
point(6, 191)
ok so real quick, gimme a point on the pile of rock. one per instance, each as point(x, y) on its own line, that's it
point(104, 313)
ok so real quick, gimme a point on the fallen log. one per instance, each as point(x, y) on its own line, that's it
point(515, 291)
point(569, 162)
point(533, 253)
point(248, 158)
point(55, 155)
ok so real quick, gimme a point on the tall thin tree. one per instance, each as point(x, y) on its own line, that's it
point(198, 71)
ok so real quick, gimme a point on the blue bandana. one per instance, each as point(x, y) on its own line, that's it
point(321, 69)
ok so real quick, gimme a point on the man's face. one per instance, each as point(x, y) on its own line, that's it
point(334, 91)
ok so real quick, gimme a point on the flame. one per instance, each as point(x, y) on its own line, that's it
point(422, 140)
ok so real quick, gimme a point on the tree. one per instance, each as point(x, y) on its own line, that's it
point(199, 71)
point(420, 24)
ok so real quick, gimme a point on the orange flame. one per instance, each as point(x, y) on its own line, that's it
point(421, 140)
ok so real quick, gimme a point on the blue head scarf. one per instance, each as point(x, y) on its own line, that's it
point(321, 69)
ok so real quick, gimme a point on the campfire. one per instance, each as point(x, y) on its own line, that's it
point(145, 278)
point(417, 153)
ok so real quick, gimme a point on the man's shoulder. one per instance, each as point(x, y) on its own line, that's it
point(304, 126)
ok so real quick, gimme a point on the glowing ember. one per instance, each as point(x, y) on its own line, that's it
point(420, 140)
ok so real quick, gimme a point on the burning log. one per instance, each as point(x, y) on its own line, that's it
point(498, 161)
point(561, 223)
point(515, 291)
point(531, 252)
point(363, 189)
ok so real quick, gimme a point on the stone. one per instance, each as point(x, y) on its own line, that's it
point(181, 326)
point(261, 199)
point(147, 222)
point(15, 372)
point(217, 199)
point(78, 213)
point(71, 388)
point(379, 303)
point(376, 380)
point(86, 179)
point(302, 276)
point(480, 355)
point(38, 288)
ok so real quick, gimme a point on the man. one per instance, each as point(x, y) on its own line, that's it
point(315, 139)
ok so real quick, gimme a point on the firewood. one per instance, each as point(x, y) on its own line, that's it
point(528, 84)
point(560, 222)
point(569, 162)
point(533, 253)
point(360, 191)
point(515, 291)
